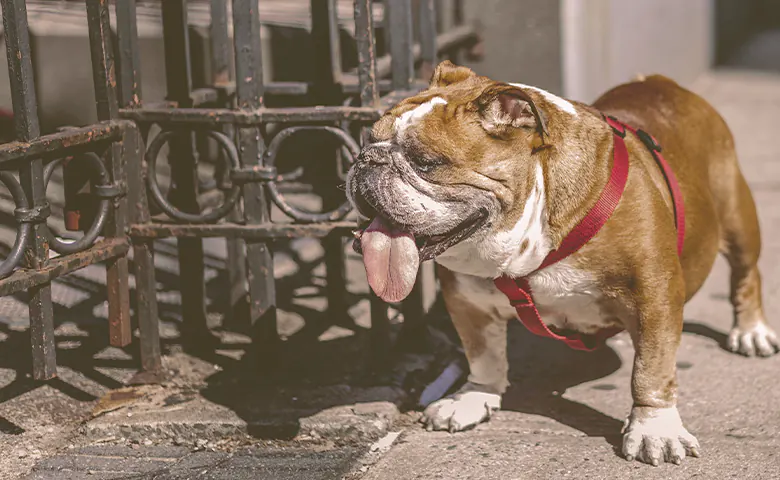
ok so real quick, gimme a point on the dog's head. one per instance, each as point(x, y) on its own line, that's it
point(446, 165)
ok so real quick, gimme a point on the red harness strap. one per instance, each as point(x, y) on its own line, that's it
point(518, 290)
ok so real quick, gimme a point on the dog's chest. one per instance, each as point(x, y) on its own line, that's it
point(567, 298)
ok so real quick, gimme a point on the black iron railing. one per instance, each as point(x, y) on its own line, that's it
point(249, 135)
point(96, 154)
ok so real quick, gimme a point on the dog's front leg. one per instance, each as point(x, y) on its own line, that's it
point(483, 335)
point(654, 432)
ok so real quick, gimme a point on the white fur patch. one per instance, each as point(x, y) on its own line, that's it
point(483, 292)
point(499, 253)
point(407, 119)
point(463, 410)
point(568, 297)
point(565, 296)
point(559, 102)
point(657, 434)
point(417, 202)
point(759, 339)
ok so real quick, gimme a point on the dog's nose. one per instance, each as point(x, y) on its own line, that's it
point(376, 153)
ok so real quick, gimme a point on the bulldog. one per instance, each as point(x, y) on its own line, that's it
point(490, 179)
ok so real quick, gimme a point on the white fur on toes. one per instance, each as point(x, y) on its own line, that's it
point(655, 435)
point(461, 411)
point(759, 339)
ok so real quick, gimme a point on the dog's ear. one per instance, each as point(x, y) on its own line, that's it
point(447, 73)
point(504, 107)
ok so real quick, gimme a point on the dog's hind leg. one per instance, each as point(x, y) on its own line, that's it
point(741, 245)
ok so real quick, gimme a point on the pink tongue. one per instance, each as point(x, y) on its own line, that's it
point(391, 260)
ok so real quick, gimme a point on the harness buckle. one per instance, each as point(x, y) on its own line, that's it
point(617, 127)
point(649, 141)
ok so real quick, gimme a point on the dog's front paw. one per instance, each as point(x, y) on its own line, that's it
point(655, 435)
point(461, 411)
point(758, 339)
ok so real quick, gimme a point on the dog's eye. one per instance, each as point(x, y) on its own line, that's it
point(426, 164)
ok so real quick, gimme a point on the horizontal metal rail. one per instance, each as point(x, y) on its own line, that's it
point(262, 231)
point(62, 143)
point(23, 279)
point(216, 116)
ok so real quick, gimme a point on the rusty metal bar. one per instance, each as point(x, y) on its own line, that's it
point(349, 84)
point(143, 254)
point(221, 75)
point(427, 38)
point(23, 280)
point(132, 153)
point(249, 95)
point(463, 36)
point(129, 65)
point(251, 117)
point(260, 231)
point(227, 88)
point(64, 143)
point(104, 72)
point(31, 178)
point(400, 22)
point(184, 179)
point(325, 38)
point(220, 43)
point(366, 47)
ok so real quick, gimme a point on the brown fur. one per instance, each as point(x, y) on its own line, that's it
point(489, 136)
point(634, 257)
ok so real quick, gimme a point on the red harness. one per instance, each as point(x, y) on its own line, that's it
point(518, 290)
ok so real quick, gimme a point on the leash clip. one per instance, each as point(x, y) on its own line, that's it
point(649, 141)
point(617, 127)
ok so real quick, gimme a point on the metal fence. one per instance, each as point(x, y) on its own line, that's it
point(101, 151)
point(117, 161)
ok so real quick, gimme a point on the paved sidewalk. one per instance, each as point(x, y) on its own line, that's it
point(179, 463)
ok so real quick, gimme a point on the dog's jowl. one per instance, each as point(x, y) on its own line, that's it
point(580, 220)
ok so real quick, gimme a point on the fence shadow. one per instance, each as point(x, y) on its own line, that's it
point(322, 362)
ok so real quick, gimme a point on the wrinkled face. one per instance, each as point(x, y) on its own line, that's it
point(443, 166)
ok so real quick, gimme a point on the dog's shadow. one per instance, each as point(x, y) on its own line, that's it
point(541, 370)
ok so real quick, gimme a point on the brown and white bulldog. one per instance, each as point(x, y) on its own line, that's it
point(487, 178)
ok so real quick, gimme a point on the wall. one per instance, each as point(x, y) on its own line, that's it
point(607, 42)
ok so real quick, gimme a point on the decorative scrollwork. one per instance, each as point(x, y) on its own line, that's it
point(264, 173)
point(26, 216)
point(350, 148)
point(101, 187)
point(24, 231)
point(231, 194)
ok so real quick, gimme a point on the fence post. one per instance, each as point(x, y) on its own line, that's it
point(182, 159)
point(25, 107)
point(326, 88)
point(251, 144)
point(401, 42)
point(235, 310)
point(129, 87)
point(103, 69)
